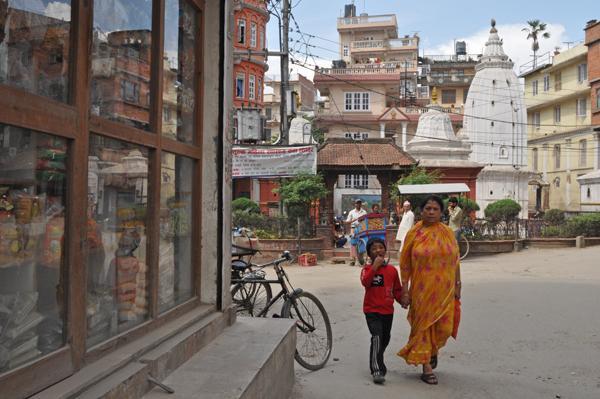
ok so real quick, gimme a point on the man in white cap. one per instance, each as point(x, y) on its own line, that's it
point(352, 219)
point(407, 222)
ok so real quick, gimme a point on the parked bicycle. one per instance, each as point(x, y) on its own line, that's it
point(252, 295)
point(463, 242)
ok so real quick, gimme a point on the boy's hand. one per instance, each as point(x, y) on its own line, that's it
point(378, 262)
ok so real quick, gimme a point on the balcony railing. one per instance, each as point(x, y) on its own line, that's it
point(369, 69)
point(389, 19)
point(388, 44)
point(367, 44)
point(403, 42)
point(453, 58)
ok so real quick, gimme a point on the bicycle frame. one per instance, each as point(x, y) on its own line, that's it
point(281, 280)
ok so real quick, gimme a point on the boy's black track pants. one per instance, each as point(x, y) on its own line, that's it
point(380, 326)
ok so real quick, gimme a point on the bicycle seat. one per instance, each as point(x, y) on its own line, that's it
point(239, 265)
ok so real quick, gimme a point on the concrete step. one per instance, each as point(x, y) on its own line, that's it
point(254, 358)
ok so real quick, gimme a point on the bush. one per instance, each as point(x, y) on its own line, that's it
point(552, 231)
point(554, 217)
point(584, 225)
point(264, 234)
point(249, 220)
point(505, 210)
point(245, 205)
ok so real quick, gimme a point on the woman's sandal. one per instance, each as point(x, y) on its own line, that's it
point(430, 379)
point(433, 362)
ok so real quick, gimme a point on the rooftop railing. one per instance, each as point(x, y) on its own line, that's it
point(389, 43)
point(368, 19)
point(370, 69)
point(452, 57)
point(543, 59)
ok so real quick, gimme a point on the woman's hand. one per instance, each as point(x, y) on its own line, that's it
point(404, 299)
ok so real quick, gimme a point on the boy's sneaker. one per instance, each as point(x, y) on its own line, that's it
point(378, 378)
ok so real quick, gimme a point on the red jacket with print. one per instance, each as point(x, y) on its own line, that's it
point(381, 288)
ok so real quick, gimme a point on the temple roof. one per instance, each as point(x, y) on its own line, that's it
point(372, 153)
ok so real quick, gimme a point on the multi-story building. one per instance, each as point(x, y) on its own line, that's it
point(589, 194)
point(250, 64)
point(249, 52)
point(560, 139)
point(305, 98)
point(450, 76)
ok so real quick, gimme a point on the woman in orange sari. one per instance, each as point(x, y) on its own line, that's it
point(429, 265)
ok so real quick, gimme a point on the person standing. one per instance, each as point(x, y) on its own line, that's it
point(407, 222)
point(456, 217)
point(430, 274)
point(352, 219)
point(382, 287)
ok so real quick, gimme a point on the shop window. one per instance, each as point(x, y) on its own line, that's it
point(121, 52)
point(175, 276)
point(35, 46)
point(117, 266)
point(32, 229)
point(181, 36)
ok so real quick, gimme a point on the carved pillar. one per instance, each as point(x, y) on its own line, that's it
point(384, 181)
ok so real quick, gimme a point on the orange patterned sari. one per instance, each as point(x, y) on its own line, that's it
point(429, 261)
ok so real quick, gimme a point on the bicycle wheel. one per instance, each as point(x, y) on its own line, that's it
point(250, 298)
point(464, 247)
point(313, 330)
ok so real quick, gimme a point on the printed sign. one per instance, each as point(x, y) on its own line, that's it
point(273, 161)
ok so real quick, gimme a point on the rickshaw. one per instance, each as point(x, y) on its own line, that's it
point(440, 189)
point(371, 225)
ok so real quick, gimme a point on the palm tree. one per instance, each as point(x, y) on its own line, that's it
point(536, 29)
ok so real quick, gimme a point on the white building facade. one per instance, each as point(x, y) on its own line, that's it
point(495, 123)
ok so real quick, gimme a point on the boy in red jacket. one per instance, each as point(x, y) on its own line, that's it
point(382, 286)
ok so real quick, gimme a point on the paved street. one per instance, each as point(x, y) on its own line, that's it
point(530, 329)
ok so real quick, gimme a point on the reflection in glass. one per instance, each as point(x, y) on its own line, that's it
point(179, 63)
point(175, 283)
point(117, 271)
point(121, 53)
point(34, 46)
point(32, 227)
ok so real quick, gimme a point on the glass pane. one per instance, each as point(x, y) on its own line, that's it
point(32, 226)
point(34, 46)
point(117, 298)
point(180, 70)
point(121, 53)
point(175, 281)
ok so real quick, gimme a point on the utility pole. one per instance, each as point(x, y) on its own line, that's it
point(285, 70)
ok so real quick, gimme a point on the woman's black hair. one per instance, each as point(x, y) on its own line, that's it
point(373, 241)
point(433, 198)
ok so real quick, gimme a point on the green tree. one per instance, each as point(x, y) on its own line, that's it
point(417, 175)
point(245, 205)
point(299, 192)
point(505, 210)
point(536, 31)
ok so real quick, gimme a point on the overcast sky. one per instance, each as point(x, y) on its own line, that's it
point(439, 23)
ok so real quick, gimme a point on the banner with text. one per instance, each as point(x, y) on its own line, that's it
point(273, 161)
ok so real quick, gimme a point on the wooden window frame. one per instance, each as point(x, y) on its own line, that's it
point(72, 121)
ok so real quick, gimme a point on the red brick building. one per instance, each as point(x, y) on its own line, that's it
point(250, 21)
point(592, 41)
